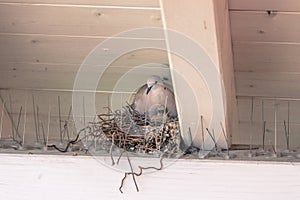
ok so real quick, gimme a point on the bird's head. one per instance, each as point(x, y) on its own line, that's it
point(153, 80)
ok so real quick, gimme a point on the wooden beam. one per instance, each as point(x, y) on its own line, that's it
point(225, 54)
point(207, 23)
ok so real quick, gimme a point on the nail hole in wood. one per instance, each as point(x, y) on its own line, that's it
point(34, 41)
point(271, 12)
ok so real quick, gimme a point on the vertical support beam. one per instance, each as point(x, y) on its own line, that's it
point(225, 56)
point(206, 22)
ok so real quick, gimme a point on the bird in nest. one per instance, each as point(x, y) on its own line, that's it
point(155, 100)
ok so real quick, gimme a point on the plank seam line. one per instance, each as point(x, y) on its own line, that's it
point(236, 42)
point(82, 6)
point(80, 36)
point(67, 90)
point(264, 11)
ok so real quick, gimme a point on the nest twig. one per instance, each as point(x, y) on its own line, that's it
point(130, 131)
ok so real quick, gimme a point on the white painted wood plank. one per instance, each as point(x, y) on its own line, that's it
point(261, 26)
point(74, 21)
point(266, 57)
point(279, 5)
point(62, 76)
point(70, 50)
point(36, 177)
point(34, 49)
point(136, 3)
point(268, 84)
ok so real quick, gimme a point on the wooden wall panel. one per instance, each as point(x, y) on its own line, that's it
point(261, 26)
point(277, 5)
point(43, 44)
point(45, 101)
point(117, 3)
point(51, 75)
point(268, 84)
point(251, 121)
point(266, 57)
point(80, 21)
point(44, 49)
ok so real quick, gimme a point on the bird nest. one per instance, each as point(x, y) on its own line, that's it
point(131, 131)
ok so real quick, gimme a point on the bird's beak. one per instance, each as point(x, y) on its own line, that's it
point(149, 88)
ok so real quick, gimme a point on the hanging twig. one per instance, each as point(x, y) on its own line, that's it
point(140, 172)
point(132, 173)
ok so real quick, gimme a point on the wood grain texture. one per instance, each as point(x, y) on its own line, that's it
point(62, 76)
point(45, 49)
point(266, 57)
point(277, 5)
point(268, 84)
point(261, 26)
point(32, 177)
point(75, 20)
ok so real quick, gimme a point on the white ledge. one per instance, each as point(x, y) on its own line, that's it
point(83, 177)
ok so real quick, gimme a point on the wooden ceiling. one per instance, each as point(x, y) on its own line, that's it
point(43, 43)
point(266, 46)
point(50, 40)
